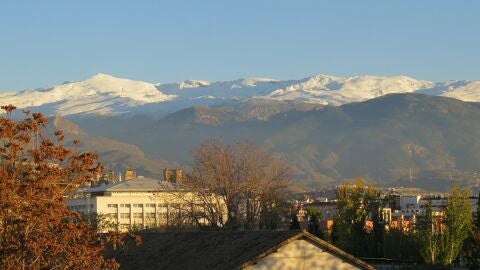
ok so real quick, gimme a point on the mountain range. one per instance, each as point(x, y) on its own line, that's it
point(107, 95)
point(390, 130)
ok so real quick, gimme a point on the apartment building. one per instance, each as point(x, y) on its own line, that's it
point(139, 202)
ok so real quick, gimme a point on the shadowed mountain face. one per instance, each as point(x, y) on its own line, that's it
point(114, 154)
point(433, 139)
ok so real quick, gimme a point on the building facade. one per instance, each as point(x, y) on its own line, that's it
point(137, 203)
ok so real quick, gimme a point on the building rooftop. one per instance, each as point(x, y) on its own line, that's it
point(216, 249)
point(135, 184)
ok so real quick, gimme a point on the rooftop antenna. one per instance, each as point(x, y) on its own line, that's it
point(410, 163)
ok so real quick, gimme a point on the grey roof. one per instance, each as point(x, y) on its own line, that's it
point(214, 250)
point(135, 184)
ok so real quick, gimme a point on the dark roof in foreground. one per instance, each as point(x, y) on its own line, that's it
point(216, 249)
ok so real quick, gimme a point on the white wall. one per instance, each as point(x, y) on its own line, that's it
point(125, 210)
point(301, 254)
point(130, 208)
point(409, 202)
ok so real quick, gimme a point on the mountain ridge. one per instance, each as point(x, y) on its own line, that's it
point(378, 139)
point(103, 94)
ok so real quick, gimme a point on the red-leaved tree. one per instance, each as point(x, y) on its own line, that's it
point(37, 173)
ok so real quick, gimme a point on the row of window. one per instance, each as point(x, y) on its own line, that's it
point(127, 205)
point(124, 215)
point(136, 215)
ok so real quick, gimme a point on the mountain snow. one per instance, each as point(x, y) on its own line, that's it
point(331, 90)
point(100, 94)
point(108, 95)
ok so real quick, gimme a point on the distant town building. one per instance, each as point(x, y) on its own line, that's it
point(409, 202)
point(386, 214)
point(400, 208)
point(327, 208)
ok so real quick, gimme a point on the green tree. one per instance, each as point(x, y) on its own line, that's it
point(294, 225)
point(356, 205)
point(314, 216)
point(459, 222)
point(401, 245)
point(471, 247)
point(377, 236)
point(428, 236)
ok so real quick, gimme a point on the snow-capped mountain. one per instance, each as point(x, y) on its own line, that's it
point(101, 94)
point(107, 95)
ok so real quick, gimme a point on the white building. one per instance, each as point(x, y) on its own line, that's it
point(412, 206)
point(136, 203)
point(410, 202)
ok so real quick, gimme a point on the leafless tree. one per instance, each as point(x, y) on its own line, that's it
point(235, 186)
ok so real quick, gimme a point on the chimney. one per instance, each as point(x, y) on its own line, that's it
point(111, 177)
point(173, 175)
point(130, 174)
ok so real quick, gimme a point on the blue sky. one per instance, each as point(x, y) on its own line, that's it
point(47, 42)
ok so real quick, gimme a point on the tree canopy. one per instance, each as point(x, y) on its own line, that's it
point(237, 186)
point(37, 174)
